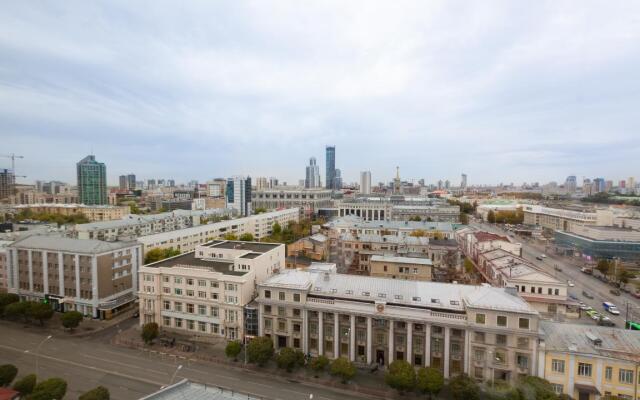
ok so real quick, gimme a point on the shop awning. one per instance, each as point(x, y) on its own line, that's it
point(586, 388)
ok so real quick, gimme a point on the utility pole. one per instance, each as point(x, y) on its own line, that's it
point(626, 318)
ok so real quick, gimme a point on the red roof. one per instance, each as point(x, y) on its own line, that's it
point(488, 236)
point(8, 394)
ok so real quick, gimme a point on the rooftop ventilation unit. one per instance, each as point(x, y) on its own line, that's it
point(596, 341)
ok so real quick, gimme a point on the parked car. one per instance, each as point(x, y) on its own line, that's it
point(593, 314)
point(588, 271)
point(615, 292)
point(587, 294)
point(636, 295)
point(570, 283)
point(541, 257)
point(573, 297)
point(611, 308)
point(606, 321)
point(585, 307)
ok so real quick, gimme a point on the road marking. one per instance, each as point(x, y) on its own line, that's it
point(123, 364)
point(294, 391)
point(263, 384)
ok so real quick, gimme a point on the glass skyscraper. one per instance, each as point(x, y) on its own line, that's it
point(92, 181)
point(330, 167)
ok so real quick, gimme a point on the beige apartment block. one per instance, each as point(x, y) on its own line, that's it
point(395, 267)
point(479, 330)
point(97, 278)
point(206, 292)
point(93, 213)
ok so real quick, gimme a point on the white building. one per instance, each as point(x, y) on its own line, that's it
point(238, 193)
point(365, 182)
point(312, 179)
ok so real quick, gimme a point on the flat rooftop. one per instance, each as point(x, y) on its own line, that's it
point(251, 255)
point(255, 247)
point(402, 260)
point(190, 260)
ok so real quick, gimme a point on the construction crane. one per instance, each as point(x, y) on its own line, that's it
point(13, 157)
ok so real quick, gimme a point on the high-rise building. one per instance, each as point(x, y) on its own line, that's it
point(262, 183)
point(447, 184)
point(463, 181)
point(397, 183)
point(92, 181)
point(171, 183)
point(151, 184)
point(337, 179)
point(273, 182)
point(570, 184)
point(598, 184)
point(7, 183)
point(622, 184)
point(330, 161)
point(365, 182)
point(312, 179)
point(238, 194)
point(131, 182)
point(123, 182)
point(631, 184)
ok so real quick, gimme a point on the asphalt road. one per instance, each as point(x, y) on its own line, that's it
point(571, 272)
point(130, 374)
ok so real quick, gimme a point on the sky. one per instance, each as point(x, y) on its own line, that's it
point(504, 91)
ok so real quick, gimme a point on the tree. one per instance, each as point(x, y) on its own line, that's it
point(98, 393)
point(418, 233)
point(40, 311)
point(25, 384)
point(6, 299)
point(463, 388)
point(277, 229)
point(158, 254)
point(246, 237)
point(491, 217)
point(260, 210)
point(260, 350)
point(71, 319)
point(233, 349)
point(17, 310)
point(51, 389)
point(343, 368)
point(464, 219)
point(8, 373)
point(468, 265)
point(624, 275)
point(604, 266)
point(533, 387)
point(430, 381)
point(290, 359)
point(319, 364)
point(401, 376)
point(150, 331)
point(415, 218)
point(230, 236)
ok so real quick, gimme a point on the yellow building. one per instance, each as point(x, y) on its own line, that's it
point(93, 213)
point(396, 267)
point(590, 362)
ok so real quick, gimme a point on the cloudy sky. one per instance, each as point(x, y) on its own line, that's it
point(504, 91)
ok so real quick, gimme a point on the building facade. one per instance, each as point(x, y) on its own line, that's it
point(330, 165)
point(397, 267)
point(307, 200)
point(206, 292)
point(7, 183)
point(312, 176)
point(93, 213)
point(365, 182)
point(238, 192)
point(92, 181)
point(96, 278)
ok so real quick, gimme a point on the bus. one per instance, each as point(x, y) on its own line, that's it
point(634, 326)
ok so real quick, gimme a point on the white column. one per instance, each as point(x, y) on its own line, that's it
point(446, 351)
point(409, 352)
point(135, 267)
point(320, 334)
point(467, 349)
point(77, 265)
point(572, 374)
point(30, 259)
point(391, 345)
point(94, 285)
point(336, 335)
point(369, 342)
point(305, 331)
point(45, 272)
point(61, 275)
point(352, 339)
point(427, 345)
point(260, 320)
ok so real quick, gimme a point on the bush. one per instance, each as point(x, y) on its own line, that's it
point(319, 364)
point(343, 368)
point(51, 389)
point(401, 376)
point(150, 331)
point(429, 381)
point(246, 237)
point(99, 393)
point(71, 319)
point(8, 373)
point(537, 388)
point(290, 359)
point(17, 310)
point(6, 299)
point(40, 311)
point(233, 349)
point(463, 388)
point(260, 350)
point(25, 384)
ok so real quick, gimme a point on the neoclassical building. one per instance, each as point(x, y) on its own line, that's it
point(479, 330)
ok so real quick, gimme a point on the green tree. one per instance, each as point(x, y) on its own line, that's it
point(415, 218)
point(230, 236)
point(150, 331)
point(289, 359)
point(604, 266)
point(260, 210)
point(71, 319)
point(25, 384)
point(533, 387)
point(8, 373)
point(491, 217)
point(462, 387)
point(98, 393)
point(157, 254)
point(343, 368)
point(464, 219)
point(6, 299)
point(468, 265)
point(624, 275)
point(430, 381)
point(51, 389)
point(260, 350)
point(277, 229)
point(246, 237)
point(233, 349)
point(319, 364)
point(40, 311)
point(401, 376)
point(17, 310)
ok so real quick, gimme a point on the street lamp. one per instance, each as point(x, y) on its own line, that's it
point(37, 352)
point(174, 374)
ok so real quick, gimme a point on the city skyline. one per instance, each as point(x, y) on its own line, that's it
point(530, 92)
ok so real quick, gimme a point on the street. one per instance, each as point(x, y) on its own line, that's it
point(130, 374)
point(571, 272)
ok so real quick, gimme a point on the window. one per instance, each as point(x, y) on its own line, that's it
point(584, 369)
point(557, 388)
point(523, 342)
point(165, 279)
point(166, 305)
point(178, 322)
point(480, 319)
point(501, 320)
point(557, 366)
point(178, 291)
point(479, 337)
point(191, 324)
point(522, 361)
point(177, 280)
point(177, 306)
point(202, 282)
point(202, 310)
point(190, 282)
point(296, 297)
point(166, 321)
point(214, 312)
point(190, 293)
point(523, 323)
point(214, 296)
point(267, 294)
point(267, 323)
point(608, 373)
point(296, 312)
point(166, 290)
point(501, 340)
point(202, 295)
point(625, 376)
point(202, 326)
point(281, 296)
point(478, 354)
point(281, 311)
point(213, 284)
point(500, 357)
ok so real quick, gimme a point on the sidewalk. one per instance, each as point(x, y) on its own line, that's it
point(366, 383)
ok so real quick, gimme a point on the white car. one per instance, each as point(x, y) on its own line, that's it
point(570, 284)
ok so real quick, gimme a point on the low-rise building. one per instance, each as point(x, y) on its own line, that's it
point(479, 330)
point(357, 226)
point(93, 277)
point(475, 242)
point(595, 242)
point(398, 207)
point(396, 267)
point(92, 212)
point(206, 292)
point(563, 219)
point(308, 200)
point(590, 362)
point(314, 247)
